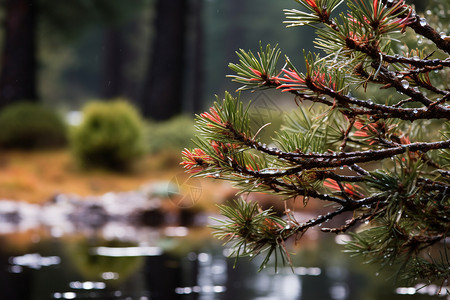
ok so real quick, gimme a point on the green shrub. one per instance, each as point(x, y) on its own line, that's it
point(174, 134)
point(28, 125)
point(111, 135)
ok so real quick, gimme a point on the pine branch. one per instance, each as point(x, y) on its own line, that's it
point(302, 86)
point(403, 194)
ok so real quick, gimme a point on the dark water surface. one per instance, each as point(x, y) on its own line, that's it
point(177, 263)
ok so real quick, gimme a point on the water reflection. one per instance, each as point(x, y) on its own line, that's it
point(127, 251)
point(87, 285)
point(175, 262)
point(419, 289)
point(211, 276)
point(34, 261)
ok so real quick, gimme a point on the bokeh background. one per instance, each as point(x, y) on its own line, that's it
point(97, 101)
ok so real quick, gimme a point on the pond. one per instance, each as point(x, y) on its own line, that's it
point(118, 261)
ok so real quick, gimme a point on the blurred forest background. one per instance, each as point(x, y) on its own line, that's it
point(166, 59)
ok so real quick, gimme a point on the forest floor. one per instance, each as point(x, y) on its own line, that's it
point(38, 176)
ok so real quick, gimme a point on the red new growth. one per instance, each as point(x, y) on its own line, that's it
point(272, 226)
point(366, 130)
point(383, 17)
point(291, 81)
point(256, 72)
point(311, 3)
point(347, 188)
point(194, 160)
point(212, 116)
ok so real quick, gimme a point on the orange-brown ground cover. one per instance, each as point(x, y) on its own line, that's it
point(37, 176)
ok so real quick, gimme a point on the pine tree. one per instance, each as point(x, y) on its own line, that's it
point(385, 160)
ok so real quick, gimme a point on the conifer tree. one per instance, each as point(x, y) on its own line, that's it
point(383, 159)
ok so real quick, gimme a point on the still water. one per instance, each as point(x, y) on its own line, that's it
point(130, 263)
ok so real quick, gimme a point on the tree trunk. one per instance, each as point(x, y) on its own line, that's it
point(198, 57)
point(194, 57)
point(18, 70)
point(235, 32)
point(113, 63)
point(163, 86)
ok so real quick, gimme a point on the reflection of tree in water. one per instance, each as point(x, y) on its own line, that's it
point(11, 286)
point(196, 262)
point(92, 266)
point(342, 277)
point(198, 240)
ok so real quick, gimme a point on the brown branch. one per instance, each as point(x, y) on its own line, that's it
point(325, 218)
point(378, 111)
point(326, 160)
point(431, 34)
point(334, 176)
point(432, 64)
point(331, 160)
point(348, 224)
point(420, 28)
point(347, 133)
point(413, 74)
